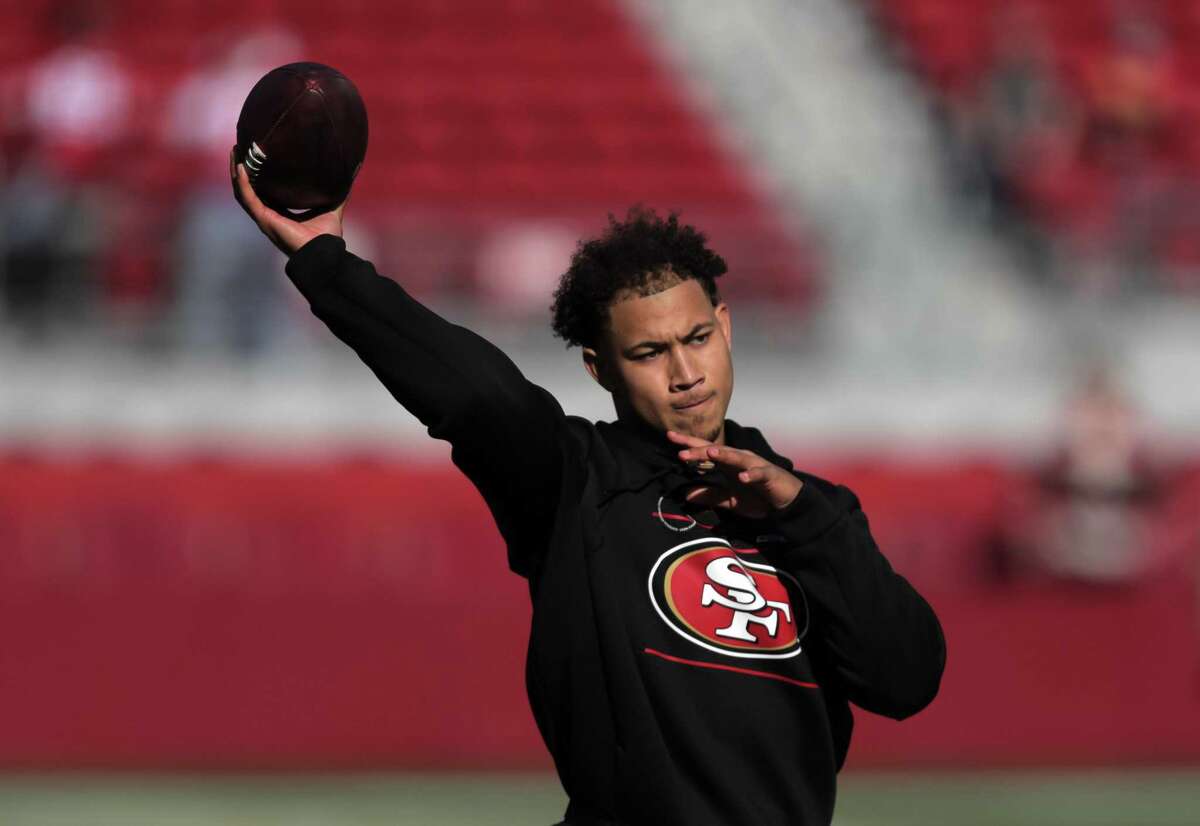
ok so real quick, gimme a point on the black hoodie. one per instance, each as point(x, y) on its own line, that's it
point(684, 666)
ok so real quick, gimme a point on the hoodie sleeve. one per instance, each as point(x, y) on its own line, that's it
point(883, 640)
point(506, 433)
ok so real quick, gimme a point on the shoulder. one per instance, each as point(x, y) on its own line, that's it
point(581, 432)
point(584, 442)
point(592, 443)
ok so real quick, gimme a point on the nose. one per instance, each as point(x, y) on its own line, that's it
point(685, 373)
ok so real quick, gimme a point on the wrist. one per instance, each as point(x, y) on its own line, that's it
point(807, 516)
point(316, 258)
point(320, 242)
point(789, 501)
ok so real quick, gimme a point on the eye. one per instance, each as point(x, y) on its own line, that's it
point(645, 356)
point(702, 338)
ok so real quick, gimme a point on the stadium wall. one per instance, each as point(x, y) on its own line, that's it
point(235, 614)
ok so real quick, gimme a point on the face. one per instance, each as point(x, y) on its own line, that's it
point(664, 351)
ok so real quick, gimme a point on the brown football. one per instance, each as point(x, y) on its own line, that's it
point(302, 135)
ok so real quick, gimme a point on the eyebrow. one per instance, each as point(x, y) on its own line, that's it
point(660, 344)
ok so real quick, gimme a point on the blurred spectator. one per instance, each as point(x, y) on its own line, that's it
point(71, 111)
point(228, 294)
point(1130, 93)
point(1073, 141)
point(1018, 132)
point(1129, 87)
point(519, 265)
point(1086, 517)
point(1018, 99)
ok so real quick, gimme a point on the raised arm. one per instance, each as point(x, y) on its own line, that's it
point(507, 434)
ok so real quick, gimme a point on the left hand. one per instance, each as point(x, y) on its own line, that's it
point(759, 487)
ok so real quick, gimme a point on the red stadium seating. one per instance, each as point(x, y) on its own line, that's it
point(950, 43)
point(515, 109)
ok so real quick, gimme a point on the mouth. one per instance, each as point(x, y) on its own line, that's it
point(695, 405)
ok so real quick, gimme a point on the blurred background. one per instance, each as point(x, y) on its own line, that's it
point(239, 584)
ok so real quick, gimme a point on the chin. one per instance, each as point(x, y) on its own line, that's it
point(684, 426)
point(702, 429)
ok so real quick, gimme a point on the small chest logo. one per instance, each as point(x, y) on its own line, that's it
point(723, 602)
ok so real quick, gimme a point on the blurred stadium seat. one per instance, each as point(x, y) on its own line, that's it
point(1116, 174)
point(567, 115)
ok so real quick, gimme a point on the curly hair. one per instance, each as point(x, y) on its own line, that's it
point(643, 254)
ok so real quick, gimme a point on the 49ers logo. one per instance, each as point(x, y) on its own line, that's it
point(721, 602)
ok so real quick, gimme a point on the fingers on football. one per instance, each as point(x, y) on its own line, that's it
point(247, 195)
point(233, 176)
point(243, 191)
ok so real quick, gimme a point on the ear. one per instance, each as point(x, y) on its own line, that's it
point(721, 311)
point(596, 368)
